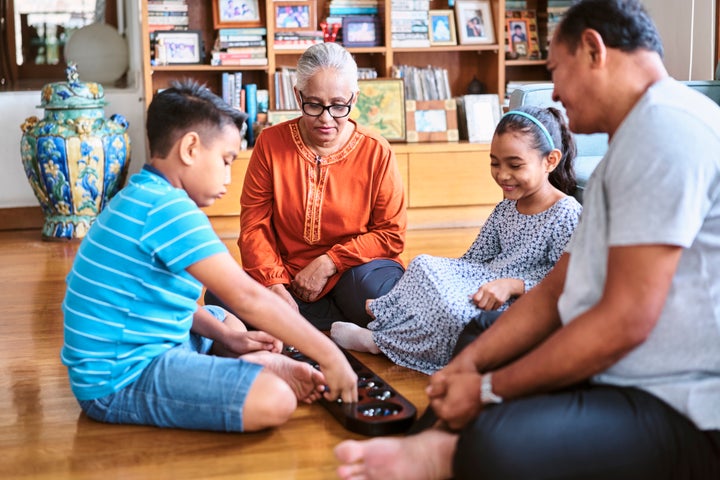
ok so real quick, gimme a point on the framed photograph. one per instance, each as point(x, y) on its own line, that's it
point(381, 106)
point(442, 27)
point(431, 120)
point(180, 47)
point(294, 16)
point(236, 13)
point(474, 21)
point(478, 116)
point(521, 35)
point(361, 31)
point(518, 35)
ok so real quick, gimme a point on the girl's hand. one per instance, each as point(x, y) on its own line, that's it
point(493, 295)
point(455, 398)
point(310, 281)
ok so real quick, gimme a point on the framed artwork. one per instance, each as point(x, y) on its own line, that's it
point(474, 21)
point(361, 31)
point(381, 106)
point(431, 120)
point(442, 27)
point(521, 35)
point(294, 16)
point(180, 47)
point(278, 116)
point(236, 13)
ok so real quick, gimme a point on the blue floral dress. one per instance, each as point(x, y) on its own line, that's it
point(419, 321)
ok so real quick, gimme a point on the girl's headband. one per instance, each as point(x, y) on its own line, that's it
point(536, 122)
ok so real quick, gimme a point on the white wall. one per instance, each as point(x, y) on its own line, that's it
point(687, 28)
point(688, 39)
point(15, 107)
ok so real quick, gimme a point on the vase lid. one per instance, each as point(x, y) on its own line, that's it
point(73, 93)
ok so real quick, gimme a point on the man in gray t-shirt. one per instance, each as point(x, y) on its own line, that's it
point(610, 367)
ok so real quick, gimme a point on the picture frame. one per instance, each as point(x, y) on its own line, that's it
point(294, 16)
point(518, 35)
point(478, 115)
point(381, 107)
point(278, 116)
point(521, 35)
point(431, 120)
point(181, 47)
point(475, 24)
point(236, 13)
point(441, 29)
point(361, 31)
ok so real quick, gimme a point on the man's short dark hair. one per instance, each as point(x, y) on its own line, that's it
point(622, 24)
point(187, 106)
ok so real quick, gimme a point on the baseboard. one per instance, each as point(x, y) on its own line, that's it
point(21, 218)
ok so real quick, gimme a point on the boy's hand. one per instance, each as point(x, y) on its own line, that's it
point(238, 343)
point(493, 295)
point(341, 380)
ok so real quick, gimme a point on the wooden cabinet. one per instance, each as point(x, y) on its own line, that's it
point(447, 185)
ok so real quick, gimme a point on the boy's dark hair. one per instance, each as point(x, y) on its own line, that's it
point(187, 106)
point(622, 24)
point(563, 177)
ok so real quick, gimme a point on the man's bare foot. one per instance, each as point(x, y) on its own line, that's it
point(367, 308)
point(350, 336)
point(305, 381)
point(425, 456)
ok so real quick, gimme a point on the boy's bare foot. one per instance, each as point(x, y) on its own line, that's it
point(305, 381)
point(350, 336)
point(425, 456)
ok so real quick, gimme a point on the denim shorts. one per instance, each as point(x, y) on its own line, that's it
point(183, 388)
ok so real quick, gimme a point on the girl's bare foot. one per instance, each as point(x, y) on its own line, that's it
point(305, 381)
point(425, 456)
point(367, 308)
point(350, 336)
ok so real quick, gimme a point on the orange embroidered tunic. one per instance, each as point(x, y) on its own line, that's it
point(296, 206)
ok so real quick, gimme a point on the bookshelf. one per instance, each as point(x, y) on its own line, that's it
point(448, 184)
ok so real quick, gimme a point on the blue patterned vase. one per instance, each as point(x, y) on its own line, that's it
point(74, 158)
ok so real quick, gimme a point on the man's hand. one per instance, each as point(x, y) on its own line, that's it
point(455, 398)
point(311, 280)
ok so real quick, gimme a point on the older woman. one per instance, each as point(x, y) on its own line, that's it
point(323, 214)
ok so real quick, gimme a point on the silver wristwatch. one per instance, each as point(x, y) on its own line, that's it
point(487, 396)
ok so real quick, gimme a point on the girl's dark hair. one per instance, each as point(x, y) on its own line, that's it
point(187, 106)
point(622, 24)
point(563, 177)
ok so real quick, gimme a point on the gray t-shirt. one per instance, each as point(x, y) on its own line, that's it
point(659, 183)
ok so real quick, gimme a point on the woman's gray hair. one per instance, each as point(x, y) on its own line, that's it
point(326, 55)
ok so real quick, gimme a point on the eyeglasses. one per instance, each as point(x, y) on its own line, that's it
point(336, 110)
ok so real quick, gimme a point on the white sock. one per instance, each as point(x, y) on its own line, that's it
point(353, 337)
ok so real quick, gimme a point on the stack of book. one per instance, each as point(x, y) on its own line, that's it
point(284, 80)
point(555, 10)
point(167, 15)
point(429, 83)
point(240, 46)
point(343, 8)
point(297, 40)
point(409, 23)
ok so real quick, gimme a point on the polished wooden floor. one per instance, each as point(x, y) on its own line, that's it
point(43, 434)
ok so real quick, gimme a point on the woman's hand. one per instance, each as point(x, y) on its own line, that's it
point(282, 291)
point(493, 295)
point(311, 280)
point(455, 398)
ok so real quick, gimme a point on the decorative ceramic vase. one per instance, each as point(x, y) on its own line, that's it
point(74, 158)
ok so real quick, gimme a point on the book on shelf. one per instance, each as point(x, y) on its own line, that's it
point(428, 83)
point(226, 32)
point(251, 110)
point(232, 91)
point(167, 7)
point(284, 80)
point(242, 62)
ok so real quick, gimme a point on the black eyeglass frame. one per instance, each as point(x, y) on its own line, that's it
point(326, 107)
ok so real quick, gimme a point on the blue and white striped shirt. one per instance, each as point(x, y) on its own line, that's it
point(129, 298)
